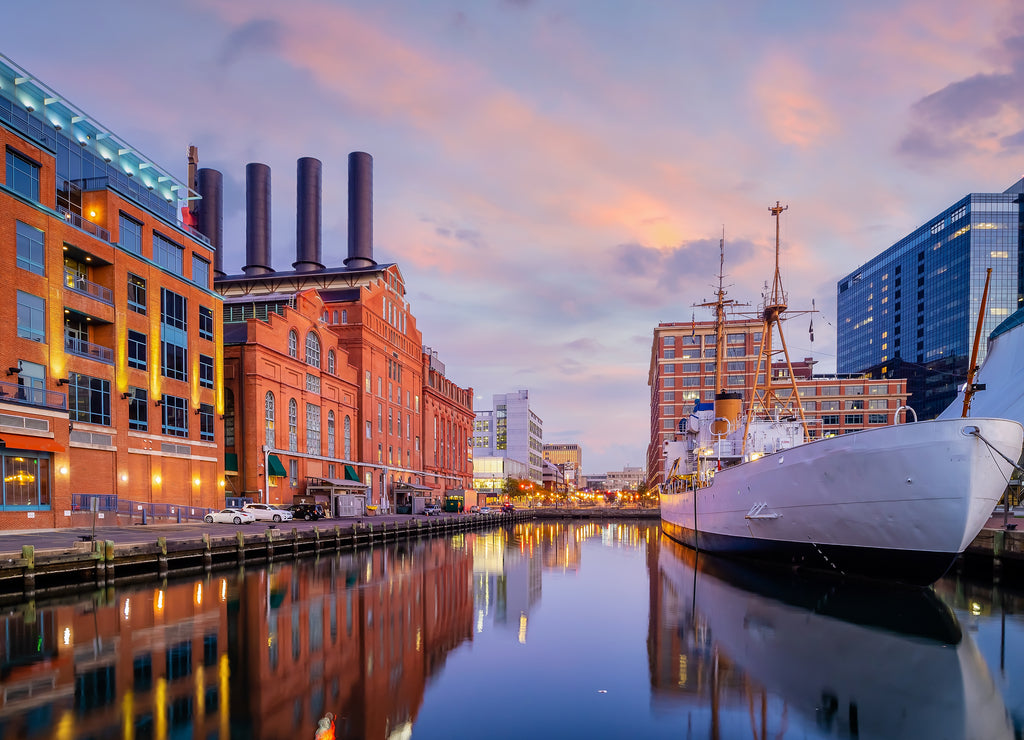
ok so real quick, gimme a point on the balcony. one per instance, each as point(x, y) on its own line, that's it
point(16, 393)
point(74, 281)
point(82, 348)
point(85, 225)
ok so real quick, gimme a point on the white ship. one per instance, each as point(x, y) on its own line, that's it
point(833, 660)
point(899, 502)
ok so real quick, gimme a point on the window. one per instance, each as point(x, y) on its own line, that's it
point(735, 339)
point(173, 335)
point(136, 349)
point(669, 369)
point(175, 418)
point(369, 430)
point(669, 354)
point(334, 315)
point(348, 437)
point(736, 367)
point(312, 350)
point(293, 425)
point(857, 405)
point(853, 419)
point(734, 351)
point(830, 390)
point(138, 409)
point(293, 344)
point(330, 434)
point(136, 294)
point(330, 361)
point(129, 234)
point(206, 422)
point(293, 480)
point(205, 323)
point(878, 389)
point(22, 176)
point(88, 399)
point(312, 383)
point(32, 382)
point(24, 481)
point(31, 317)
point(313, 430)
point(31, 248)
point(229, 418)
point(830, 419)
point(878, 403)
point(367, 382)
point(830, 405)
point(268, 419)
point(206, 371)
point(168, 255)
point(691, 367)
point(200, 271)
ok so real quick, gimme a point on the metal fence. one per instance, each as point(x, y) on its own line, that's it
point(111, 503)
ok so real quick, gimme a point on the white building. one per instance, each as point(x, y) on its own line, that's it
point(511, 429)
point(627, 479)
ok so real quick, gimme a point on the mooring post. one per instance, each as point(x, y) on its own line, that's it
point(316, 540)
point(28, 554)
point(207, 552)
point(241, 547)
point(161, 558)
point(108, 555)
point(295, 542)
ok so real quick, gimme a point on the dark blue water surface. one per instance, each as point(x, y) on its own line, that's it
point(541, 630)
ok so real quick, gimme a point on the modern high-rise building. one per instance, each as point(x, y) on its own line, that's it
point(110, 347)
point(912, 311)
point(569, 459)
point(511, 429)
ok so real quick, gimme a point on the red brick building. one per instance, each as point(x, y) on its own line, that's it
point(109, 328)
point(447, 428)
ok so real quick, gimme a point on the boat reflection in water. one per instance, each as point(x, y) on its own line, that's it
point(777, 655)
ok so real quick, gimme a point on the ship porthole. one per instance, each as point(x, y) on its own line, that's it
point(781, 459)
point(909, 481)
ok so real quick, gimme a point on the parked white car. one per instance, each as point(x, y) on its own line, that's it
point(432, 510)
point(229, 516)
point(268, 512)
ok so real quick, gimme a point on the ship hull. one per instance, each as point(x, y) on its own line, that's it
point(894, 503)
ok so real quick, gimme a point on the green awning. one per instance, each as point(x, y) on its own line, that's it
point(350, 473)
point(231, 462)
point(276, 468)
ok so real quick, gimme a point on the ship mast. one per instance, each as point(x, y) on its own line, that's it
point(719, 304)
point(765, 395)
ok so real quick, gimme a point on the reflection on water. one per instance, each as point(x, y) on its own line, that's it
point(777, 656)
point(392, 639)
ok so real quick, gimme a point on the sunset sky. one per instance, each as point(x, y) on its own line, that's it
point(553, 177)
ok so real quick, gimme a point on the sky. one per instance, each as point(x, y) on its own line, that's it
point(553, 177)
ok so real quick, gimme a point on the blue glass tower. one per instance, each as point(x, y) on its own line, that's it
point(911, 312)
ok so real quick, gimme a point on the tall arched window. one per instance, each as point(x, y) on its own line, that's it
point(330, 434)
point(293, 344)
point(348, 437)
point(293, 426)
point(268, 423)
point(335, 314)
point(312, 350)
point(330, 361)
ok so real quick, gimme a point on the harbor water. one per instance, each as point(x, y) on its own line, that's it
point(541, 630)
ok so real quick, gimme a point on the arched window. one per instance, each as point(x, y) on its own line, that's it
point(293, 426)
point(330, 361)
point(344, 316)
point(312, 350)
point(293, 344)
point(348, 437)
point(268, 424)
point(335, 316)
point(313, 430)
point(330, 434)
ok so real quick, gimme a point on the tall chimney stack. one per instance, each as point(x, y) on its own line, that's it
point(360, 210)
point(308, 244)
point(210, 213)
point(257, 219)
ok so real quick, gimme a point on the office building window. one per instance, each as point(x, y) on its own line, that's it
point(206, 371)
point(853, 419)
point(200, 271)
point(173, 335)
point(22, 176)
point(878, 418)
point(206, 422)
point(830, 419)
point(136, 350)
point(136, 294)
point(312, 430)
point(229, 418)
point(312, 350)
point(88, 399)
point(175, 415)
point(31, 248)
point(129, 234)
point(168, 255)
point(31, 317)
point(268, 420)
point(138, 409)
point(205, 323)
point(293, 426)
point(32, 382)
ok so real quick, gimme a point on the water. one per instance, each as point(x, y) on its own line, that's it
point(538, 631)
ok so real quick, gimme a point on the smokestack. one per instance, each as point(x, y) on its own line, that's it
point(210, 213)
point(360, 210)
point(257, 219)
point(308, 246)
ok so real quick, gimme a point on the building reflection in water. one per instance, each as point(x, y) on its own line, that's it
point(766, 653)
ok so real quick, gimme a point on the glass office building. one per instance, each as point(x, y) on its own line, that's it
point(911, 312)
